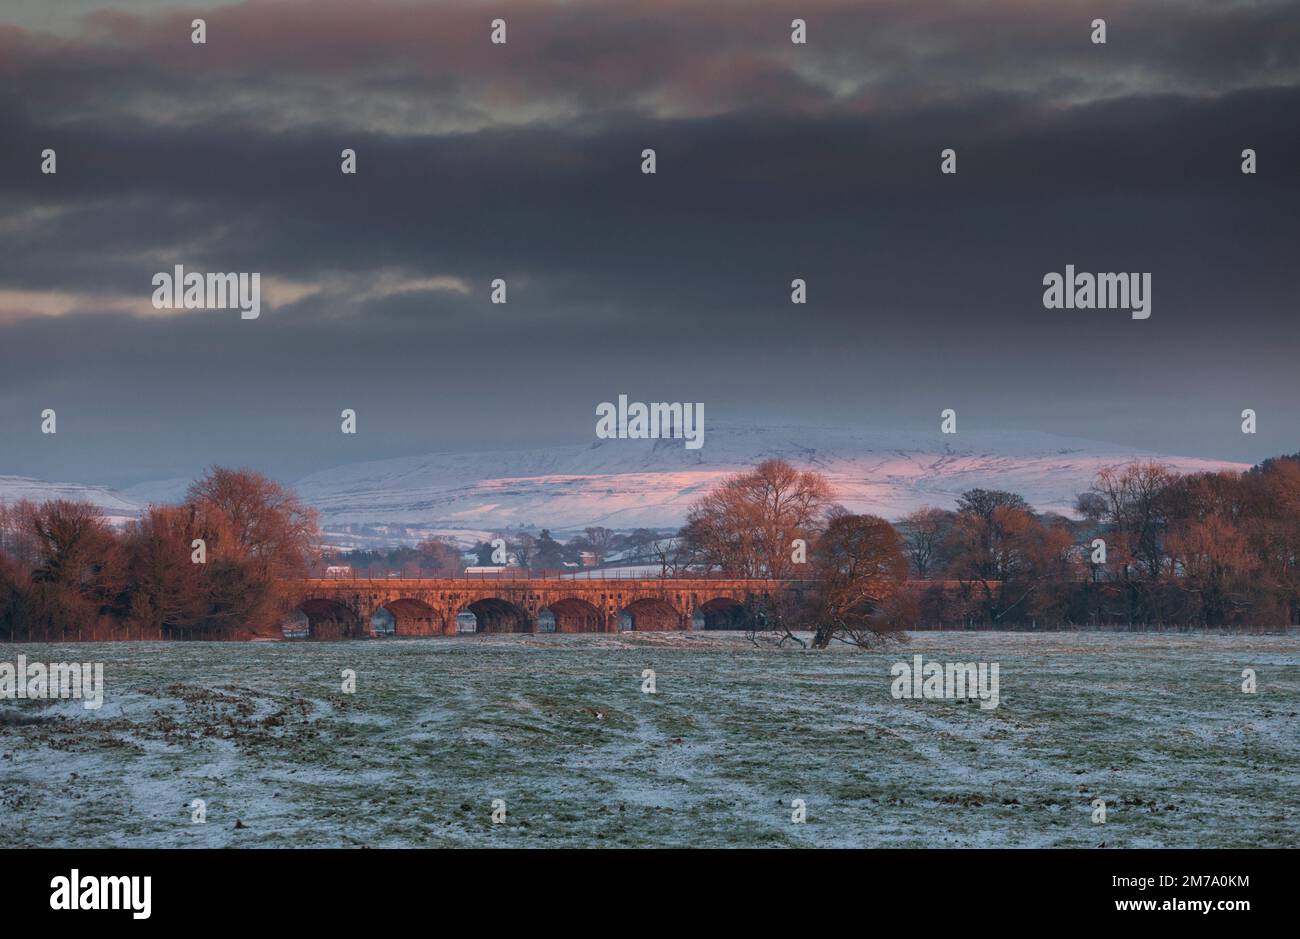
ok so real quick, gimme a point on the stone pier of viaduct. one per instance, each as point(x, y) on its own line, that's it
point(346, 607)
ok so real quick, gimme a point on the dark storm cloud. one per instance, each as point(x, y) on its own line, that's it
point(558, 205)
point(677, 58)
point(522, 162)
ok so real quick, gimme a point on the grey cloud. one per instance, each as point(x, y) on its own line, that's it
point(924, 289)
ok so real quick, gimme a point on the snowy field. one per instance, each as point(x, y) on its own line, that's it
point(558, 727)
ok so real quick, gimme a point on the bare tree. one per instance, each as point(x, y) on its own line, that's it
point(924, 532)
point(746, 525)
point(777, 618)
point(523, 546)
point(1135, 508)
point(600, 540)
point(1091, 505)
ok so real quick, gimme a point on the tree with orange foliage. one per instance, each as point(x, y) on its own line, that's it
point(79, 577)
point(438, 557)
point(169, 592)
point(746, 525)
point(1211, 561)
point(1271, 500)
point(259, 538)
point(1009, 557)
point(859, 568)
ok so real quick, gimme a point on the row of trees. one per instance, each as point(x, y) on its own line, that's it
point(433, 557)
point(214, 566)
point(438, 557)
point(543, 552)
point(1151, 548)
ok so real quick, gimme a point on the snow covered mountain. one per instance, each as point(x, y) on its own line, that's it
point(625, 484)
point(114, 504)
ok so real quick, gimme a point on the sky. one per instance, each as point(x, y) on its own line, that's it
point(523, 161)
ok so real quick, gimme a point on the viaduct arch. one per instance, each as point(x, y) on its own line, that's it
point(429, 607)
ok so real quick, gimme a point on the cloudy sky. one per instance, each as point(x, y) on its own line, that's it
point(522, 161)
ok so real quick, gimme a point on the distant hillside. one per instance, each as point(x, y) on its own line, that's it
point(113, 503)
point(625, 484)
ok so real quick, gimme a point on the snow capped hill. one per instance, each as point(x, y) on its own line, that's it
point(649, 483)
point(113, 504)
point(625, 484)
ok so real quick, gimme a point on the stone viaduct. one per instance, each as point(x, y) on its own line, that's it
point(345, 607)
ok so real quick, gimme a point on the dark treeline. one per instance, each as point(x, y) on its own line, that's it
point(1152, 548)
point(1205, 549)
point(215, 567)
